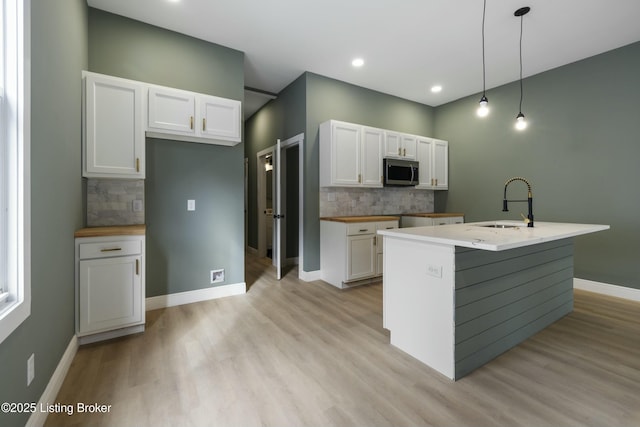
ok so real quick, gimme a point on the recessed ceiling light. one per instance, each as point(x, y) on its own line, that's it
point(436, 89)
point(358, 62)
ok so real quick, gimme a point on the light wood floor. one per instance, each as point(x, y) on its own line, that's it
point(291, 353)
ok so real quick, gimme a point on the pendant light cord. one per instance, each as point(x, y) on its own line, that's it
point(521, 91)
point(484, 10)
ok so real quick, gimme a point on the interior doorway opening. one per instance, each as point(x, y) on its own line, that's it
point(291, 192)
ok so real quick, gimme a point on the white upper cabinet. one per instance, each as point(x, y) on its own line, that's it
point(350, 155)
point(340, 154)
point(220, 118)
point(113, 127)
point(399, 145)
point(441, 164)
point(172, 110)
point(188, 116)
point(117, 112)
point(372, 142)
point(433, 155)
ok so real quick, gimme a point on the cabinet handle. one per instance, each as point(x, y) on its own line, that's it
point(436, 181)
point(404, 151)
point(204, 124)
point(191, 122)
point(362, 230)
point(359, 178)
point(137, 164)
point(110, 249)
point(375, 240)
point(137, 267)
point(399, 151)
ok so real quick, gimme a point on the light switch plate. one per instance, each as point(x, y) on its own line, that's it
point(191, 205)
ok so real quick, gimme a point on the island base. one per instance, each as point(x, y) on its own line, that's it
point(455, 308)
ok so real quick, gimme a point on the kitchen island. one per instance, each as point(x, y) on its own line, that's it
point(456, 296)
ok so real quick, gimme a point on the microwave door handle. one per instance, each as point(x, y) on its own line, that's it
point(412, 170)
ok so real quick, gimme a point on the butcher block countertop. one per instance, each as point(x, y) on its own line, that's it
point(115, 230)
point(434, 215)
point(366, 218)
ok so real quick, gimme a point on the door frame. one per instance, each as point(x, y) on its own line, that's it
point(261, 194)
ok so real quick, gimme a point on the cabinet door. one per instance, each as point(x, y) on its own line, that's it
point(113, 128)
point(392, 145)
point(408, 147)
point(219, 118)
point(110, 293)
point(424, 153)
point(345, 154)
point(172, 111)
point(372, 142)
point(441, 164)
point(361, 256)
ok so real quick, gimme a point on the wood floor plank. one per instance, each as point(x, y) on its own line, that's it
point(290, 353)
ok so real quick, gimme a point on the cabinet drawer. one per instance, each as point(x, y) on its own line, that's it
point(361, 228)
point(110, 249)
point(386, 225)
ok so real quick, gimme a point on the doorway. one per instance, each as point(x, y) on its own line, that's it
point(290, 191)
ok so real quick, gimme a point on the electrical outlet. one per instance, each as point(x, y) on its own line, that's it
point(217, 275)
point(31, 368)
point(137, 205)
point(191, 205)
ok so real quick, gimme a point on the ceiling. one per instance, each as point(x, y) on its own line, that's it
point(407, 45)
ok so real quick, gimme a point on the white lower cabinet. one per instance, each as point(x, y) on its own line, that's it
point(110, 287)
point(351, 252)
point(361, 257)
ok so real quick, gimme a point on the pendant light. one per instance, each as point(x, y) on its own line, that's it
point(521, 123)
point(483, 108)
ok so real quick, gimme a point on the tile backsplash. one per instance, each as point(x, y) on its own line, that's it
point(343, 201)
point(111, 201)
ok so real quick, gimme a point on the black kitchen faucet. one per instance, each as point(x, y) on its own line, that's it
point(505, 208)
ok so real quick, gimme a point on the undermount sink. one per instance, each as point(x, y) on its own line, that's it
point(500, 226)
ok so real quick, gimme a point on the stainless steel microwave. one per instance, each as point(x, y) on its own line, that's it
point(400, 172)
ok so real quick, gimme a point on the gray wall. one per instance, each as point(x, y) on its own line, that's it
point(58, 54)
point(281, 118)
point(580, 153)
point(331, 99)
point(301, 107)
point(182, 247)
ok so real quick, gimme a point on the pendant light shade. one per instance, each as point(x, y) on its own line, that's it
point(483, 108)
point(521, 123)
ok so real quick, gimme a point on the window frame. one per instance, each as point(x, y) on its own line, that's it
point(15, 193)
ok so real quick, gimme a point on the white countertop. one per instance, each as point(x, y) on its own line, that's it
point(473, 235)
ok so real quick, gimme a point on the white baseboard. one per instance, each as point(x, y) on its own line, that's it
point(309, 276)
point(116, 333)
point(188, 297)
point(38, 418)
point(607, 289)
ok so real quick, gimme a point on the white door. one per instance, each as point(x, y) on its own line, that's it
point(277, 210)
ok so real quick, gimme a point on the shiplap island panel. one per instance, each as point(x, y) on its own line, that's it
point(456, 296)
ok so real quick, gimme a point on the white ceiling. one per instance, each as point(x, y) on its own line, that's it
point(407, 45)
